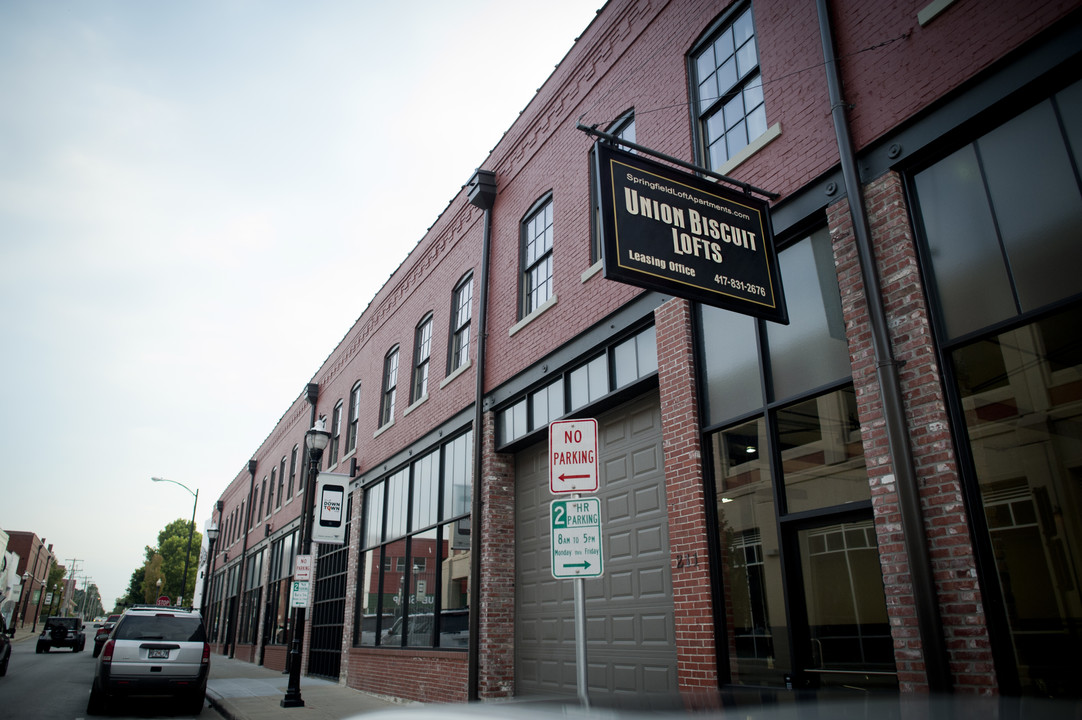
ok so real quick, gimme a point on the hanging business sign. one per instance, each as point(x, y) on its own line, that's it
point(329, 527)
point(674, 232)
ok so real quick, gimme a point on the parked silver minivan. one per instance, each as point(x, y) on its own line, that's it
point(153, 651)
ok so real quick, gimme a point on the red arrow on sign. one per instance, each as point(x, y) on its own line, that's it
point(565, 478)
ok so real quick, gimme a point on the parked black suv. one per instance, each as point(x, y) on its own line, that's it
point(62, 632)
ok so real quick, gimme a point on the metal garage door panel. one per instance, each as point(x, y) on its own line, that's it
point(631, 637)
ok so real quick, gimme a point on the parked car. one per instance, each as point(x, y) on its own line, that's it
point(5, 646)
point(454, 630)
point(153, 651)
point(103, 631)
point(62, 632)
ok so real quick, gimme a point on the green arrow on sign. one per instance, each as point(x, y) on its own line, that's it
point(582, 565)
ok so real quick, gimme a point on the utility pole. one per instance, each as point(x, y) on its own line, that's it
point(69, 589)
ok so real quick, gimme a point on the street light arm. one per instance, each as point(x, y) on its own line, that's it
point(193, 492)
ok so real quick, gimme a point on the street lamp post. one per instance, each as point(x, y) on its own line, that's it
point(212, 537)
point(316, 439)
point(26, 592)
point(191, 531)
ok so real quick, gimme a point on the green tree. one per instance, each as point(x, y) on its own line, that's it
point(169, 566)
point(172, 545)
point(54, 585)
point(152, 573)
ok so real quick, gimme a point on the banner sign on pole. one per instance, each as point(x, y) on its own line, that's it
point(329, 527)
point(680, 234)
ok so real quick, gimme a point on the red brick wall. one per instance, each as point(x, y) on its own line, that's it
point(946, 527)
point(886, 85)
point(425, 676)
point(696, 643)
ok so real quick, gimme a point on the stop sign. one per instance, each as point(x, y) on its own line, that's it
point(164, 601)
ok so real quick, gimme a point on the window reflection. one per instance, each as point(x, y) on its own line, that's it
point(751, 568)
point(1022, 398)
point(821, 452)
point(847, 609)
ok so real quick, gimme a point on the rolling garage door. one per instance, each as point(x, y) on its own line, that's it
point(631, 641)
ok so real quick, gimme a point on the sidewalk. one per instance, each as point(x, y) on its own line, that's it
point(240, 690)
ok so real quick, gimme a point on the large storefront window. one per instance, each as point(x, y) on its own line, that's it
point(253, 594)
point(797, 544)
point(1021, 392)
point(276, 629)
point(415, 552)
point(1000, 219)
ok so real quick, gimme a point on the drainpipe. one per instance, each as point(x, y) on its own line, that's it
point(927, 605)
point(243, 560)
point(482, 194)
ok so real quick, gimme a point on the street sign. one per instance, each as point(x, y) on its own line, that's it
point(573, 456)
point(163, 601)
point(576, 538)
point(298, 598)
point(303, 568)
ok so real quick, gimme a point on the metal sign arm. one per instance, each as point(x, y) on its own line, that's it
point(747, 188)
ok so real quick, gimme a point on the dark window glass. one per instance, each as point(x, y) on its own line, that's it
point(1037, 205)
point(390, 381)
point(336, 435)
point(822, 456)
point(537, 258)
point(1021, 395)
point(412, 583)
point(422, 349)
point(730, 363)
point(725, 73)
point(460, 324)
point(1001, 219)
point(812, 349)
point(354, 417)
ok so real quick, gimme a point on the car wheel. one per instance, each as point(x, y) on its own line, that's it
point(96, 705)
point(4, 665)
point(97, 649)
point(194, 704)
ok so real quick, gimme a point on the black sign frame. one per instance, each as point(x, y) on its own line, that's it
point(670, 231)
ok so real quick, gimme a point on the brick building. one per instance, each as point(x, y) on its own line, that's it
point(35, 561)
point(882, 494)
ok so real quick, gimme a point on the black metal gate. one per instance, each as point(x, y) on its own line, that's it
point(329, 607)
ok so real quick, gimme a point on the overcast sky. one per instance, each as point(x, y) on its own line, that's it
point(197, 200)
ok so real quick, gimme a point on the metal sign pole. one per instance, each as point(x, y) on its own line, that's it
point(580, 640)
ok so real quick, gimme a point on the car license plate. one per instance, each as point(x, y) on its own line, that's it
point(158, 654)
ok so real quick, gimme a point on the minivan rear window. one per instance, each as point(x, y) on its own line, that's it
point(161, 627)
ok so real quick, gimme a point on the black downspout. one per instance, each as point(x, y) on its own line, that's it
point(929, 622)
point(243, 561)
point(482, 194)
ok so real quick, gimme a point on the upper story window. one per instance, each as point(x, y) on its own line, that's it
point(262, 497)
point(623, 128)
point(354, 417)
point(728, 89)
point(281, 481)
point(537, 256)
point(270, 490)
point(390, 381)
point(336, 435)
point(292, 469)
point(461, 302)
point(422, 349)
